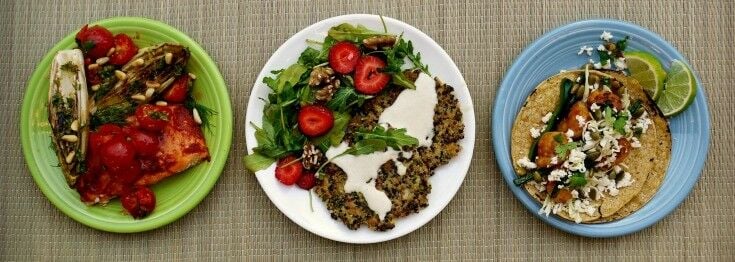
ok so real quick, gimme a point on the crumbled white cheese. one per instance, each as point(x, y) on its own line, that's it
point(585, 49)
point(535, 132)
point(597, 65)
point(581, 120)
point(554, 160)
point(569, 133)
point(562, 71)
point(607, 36)
point(620, 63)
point(626, 181)
point(643, 122)
point(575, 161)
point(601, 48)
point(546, 117)
point(635, 143)
point(557, 174)
point(526, 163)
point(594, 107)
point(575, 194)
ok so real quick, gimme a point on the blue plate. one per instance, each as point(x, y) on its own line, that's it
point(557, 50)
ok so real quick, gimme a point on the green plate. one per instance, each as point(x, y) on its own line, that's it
point(176, 195)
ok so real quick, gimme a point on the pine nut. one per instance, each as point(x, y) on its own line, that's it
point(93, 66)
point(192, 76)
point(138, 97)
point(139, 62)
point(102, 60)
point(95, 87)
point(70, 138)
point(111, 51)
point(161, 103)
point(75, 125)
point(149, 92)
point(197, 118)
point(70, 157)
point(120, 75)
point(168, 57)
point(150, 84)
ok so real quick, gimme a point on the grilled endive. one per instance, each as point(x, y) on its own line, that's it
point(68, 112)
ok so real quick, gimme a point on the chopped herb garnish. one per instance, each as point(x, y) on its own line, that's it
point(622, 44)
point(577, 180)
point(70, 67)
point(563, 149)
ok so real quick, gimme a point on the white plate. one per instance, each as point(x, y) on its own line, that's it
point(294, 202)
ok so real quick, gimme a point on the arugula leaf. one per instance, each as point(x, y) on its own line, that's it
point(577, 180)
point(285, 78)
point(367, 146)
point(399, 79)
point(305, 95)
point(256, 162)
point(563, 149)
point(395, 57)
point(310, 57)
point(348, 32)
point(619, 124)
point(394, 138)
point(328, 43)
point(345, 98)
point(336, 134)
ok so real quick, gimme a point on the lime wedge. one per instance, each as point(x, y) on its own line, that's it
point(680, 90)
point(645, 68)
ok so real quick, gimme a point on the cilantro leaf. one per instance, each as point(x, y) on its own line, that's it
point(619, 124)
point(256, 162)
point(394, 138)
point(604, 57)
point(577, 180)
point(622, 44)
point(348, 32)
point(563, 149)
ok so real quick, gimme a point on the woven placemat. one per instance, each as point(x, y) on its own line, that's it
point(484, 221)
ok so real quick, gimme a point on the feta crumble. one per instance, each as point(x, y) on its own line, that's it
point(585, 49)
point(557, 175)
point(546, 117)
point(607, 36)
point(535, 132)
point(526, 163)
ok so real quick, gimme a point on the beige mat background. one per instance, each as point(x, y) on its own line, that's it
point(484, 221)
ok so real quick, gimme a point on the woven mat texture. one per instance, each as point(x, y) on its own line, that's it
point(483, 222)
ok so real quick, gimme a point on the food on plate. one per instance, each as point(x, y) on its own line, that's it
point(360, 120)
point(123, 118)
point(590, 145)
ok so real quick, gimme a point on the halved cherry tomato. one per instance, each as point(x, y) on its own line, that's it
point(153, 118)
point(125, 49)
point(94, 41)
point(178, 91)
point(103, 134)
point(145, 144)
point(117, 154)
point(139, 202)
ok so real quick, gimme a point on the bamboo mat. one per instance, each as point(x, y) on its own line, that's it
point(483, 222)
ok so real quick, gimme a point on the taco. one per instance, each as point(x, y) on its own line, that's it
point(591, 146)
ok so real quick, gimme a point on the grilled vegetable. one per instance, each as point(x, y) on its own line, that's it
point(148, 73)
point(68, 112)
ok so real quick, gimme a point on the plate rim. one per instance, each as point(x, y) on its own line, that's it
point(508, 173)
point(453, 67)
point(199, 192)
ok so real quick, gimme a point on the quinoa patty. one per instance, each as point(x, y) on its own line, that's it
point(408, 193)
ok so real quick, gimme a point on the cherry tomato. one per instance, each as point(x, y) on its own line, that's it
point(130, 174)
point(103, 134)
point(178, 91)
point(117, 154)
point(125, 49)
point(153, 118)
point(139, 202)
point(94, 41)
point(145, 144)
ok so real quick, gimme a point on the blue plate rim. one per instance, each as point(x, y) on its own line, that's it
point(502, 155)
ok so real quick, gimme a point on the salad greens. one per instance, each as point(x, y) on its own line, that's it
point(279, 136)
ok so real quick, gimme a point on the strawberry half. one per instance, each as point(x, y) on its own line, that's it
point(306, 181)
point(369, 78)
point(343, 57)
point(315, 120)
point(288, 170)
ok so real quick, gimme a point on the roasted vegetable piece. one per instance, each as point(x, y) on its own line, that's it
point(147, 74)
point(68, 112)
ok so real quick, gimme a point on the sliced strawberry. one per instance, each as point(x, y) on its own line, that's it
point(315, 120)
point(288, 170)
point(343, 57)
point(369, 79)
point(125, 49)
point(307, 181)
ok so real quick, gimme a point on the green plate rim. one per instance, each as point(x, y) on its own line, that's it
point(200, 191)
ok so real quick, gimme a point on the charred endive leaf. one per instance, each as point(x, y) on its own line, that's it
point(68, 112)
point(154, 67)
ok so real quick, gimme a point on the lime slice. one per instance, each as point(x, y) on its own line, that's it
point(680, 90)
point(645, 68)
